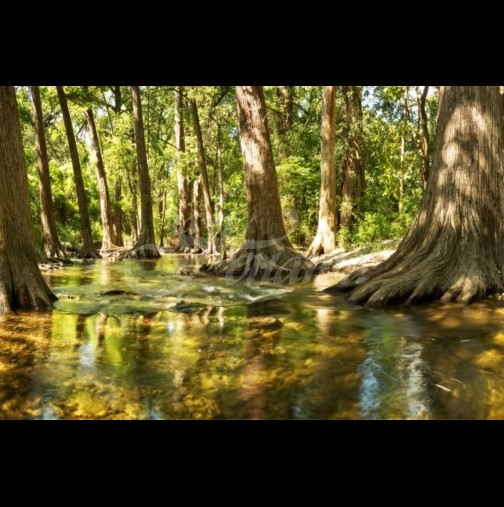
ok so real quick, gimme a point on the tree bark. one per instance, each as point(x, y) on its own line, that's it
point(402, 153)
point(162, 215)
point(134, 210)
point(21, 284)
point(51, 245)
point(425, 136)
point(117, 213)
point(118, 99)
point(267, 252)
point(106, 215)
point(325, 239)
point(454, 250)
point(184, 210)
point(220, 183)
point(196, 221)
point(146, 244)
point(88, 249)
point(204, 180)
point(352, 173)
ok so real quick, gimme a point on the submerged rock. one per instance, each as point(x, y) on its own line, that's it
point(183, 307)
point(118, 292)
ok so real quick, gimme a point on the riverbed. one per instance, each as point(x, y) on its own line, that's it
point(139, 340)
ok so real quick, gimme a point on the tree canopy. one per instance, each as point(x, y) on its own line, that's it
point(392, 141)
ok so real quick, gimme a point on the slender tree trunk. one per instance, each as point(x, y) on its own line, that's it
point(196, 218)
point(21, 284)
point(106, 215)
point(51, 245)
point(118, 99)
point(88, 249)
point(184, 213)
point(267, 252)
point(425, 136)
point(285, 96)
point(325, 239)
point(162, 215)
point(204, 180)
point(117, 211)
point(220, 183)
point(352, 174)
point(117, 214)
point(146, 244)
point(402, 170)
point(185, 239)
point(196, 221)
point(135, 233)
point(402, 153)
point(455, 249)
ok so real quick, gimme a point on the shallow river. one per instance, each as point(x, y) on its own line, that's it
point(191, 347)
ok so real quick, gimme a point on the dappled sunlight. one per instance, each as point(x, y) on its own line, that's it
point(237, 352)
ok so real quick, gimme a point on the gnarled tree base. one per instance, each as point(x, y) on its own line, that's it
point(454, 250)
point(88, 253)
point(144, 252)
point(53, 249)
point(410, 277)
point(276, 263)
point(321, 244)
point(23, 288)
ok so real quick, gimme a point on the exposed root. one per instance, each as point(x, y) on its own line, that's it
point(318, 246)
point(274, 264)
point(51, 263)
point(55, 251)
point(406, 279)
point(114, 253)
point(27, 295)
point(88, 253)
point(148, 251)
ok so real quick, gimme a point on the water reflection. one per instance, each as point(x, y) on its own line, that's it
point(393, 381)
point(242, 351)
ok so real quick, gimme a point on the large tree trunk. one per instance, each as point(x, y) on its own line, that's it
point(267, 252)
point(184, 209)
point(352, 173)
point(21, 284)
point(106, 215)
point(88, 249)
point(117, 213)
point(196, 220)
point(204, 180)
point(325, 239)
point(146, 245)
point(51, 245)
point(454, 250)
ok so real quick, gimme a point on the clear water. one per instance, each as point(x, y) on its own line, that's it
point(195, 347)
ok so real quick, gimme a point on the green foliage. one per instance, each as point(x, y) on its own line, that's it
point(377, 226)
point(344, 237)
point(299, 181)
point(392, 176)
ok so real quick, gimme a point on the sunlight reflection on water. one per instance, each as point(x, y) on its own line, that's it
point(191, 347)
